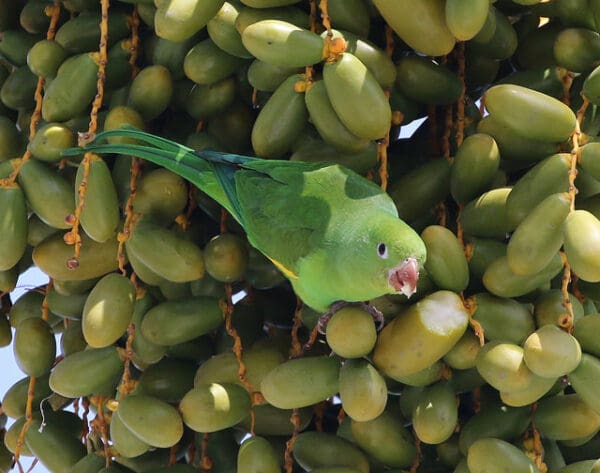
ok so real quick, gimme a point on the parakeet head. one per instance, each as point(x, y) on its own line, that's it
point(400, 253)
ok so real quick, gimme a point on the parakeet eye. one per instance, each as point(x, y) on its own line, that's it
point(382, 250)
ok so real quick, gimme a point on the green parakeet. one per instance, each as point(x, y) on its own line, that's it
point(334, 234)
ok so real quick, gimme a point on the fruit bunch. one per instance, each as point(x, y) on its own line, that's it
point(182, 348)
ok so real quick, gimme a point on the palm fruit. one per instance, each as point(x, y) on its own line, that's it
point(351, 332)
point(385, 439)
point(446, 262)
point(502, 318)
point(108, 310)
point(280, 121)
point(257, 454)
point(314, 450)
point(349, 77)
point(581, 230)
point(301, 382)
point(362, 390)
point(421, 26)
point(421, 335)
point(466, 19)
point(213, 407)
point(178, 20)
point(495, 455)
point(34, 346)
point(475, 165)
point(539, 236)
point(426, 81)
point(93, 371)
point(435, 415)
point(140, 414)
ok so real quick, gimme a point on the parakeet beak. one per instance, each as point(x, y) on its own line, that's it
point(404, 277)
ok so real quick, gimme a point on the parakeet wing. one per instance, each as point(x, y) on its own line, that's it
point(279, 219)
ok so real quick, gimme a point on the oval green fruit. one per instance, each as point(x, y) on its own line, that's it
point(177, 20)
point(73, 88)
point(502, 318)
point(466, 18)
point(206, 63)
point(501, 281)
point(427, 81)
point(548, 177)
point(49, 140)
point(83, 373)
point(181, 320)
point(221, 29)
point(95, 260)
point(446, 263)
point(327, 123)
point(353, 91)
point(34, 346)
point(48, 193)
point(577, 49)
point(165, 253)
point(514, 147)
point(283, 44)
point(161, 195)
point(142, 414)
point(13, 226)
point(256, 455)
point(530, 113)
point(56, 449)
point(385, 439)
point(435, 415)
point(226, 257)
point(362, 390)
point(100, 215)
point(213, 407)
point(301, 382)
point(492, 455)
point(495, 420)
point(314, 450)
point(502, 366)
point(123, 440)
point(486, 216)
point(566, 417)
point(351, 332)
point(551, 352)
point(108, 310)
point(549, 308)
point(280, 121)
point(475, 165)
point(585, 333)
point(417, 191)
point(582, 243)
point(420, 335)
point(538, 238)
point(151, 90)
point(14, 401)
point(421, 25)
point(585, 380)
point(45, 57)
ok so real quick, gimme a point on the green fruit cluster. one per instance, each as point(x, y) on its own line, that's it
point(492, 366)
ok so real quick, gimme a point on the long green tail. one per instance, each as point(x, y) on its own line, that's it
point(210, 171)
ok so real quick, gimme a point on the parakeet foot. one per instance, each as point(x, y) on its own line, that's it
point(336, 306)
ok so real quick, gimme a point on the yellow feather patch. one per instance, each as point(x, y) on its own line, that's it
point(287, 272)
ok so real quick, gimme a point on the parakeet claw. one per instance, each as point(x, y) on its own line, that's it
point(336, 306)
point(404, 278)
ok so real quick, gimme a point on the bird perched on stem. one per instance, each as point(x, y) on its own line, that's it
point(335, 235)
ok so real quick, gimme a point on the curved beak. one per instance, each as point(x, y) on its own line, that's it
point(404, 278)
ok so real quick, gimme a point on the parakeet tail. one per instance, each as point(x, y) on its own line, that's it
point(194, 166)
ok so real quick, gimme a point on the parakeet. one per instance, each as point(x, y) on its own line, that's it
point(335, 235)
